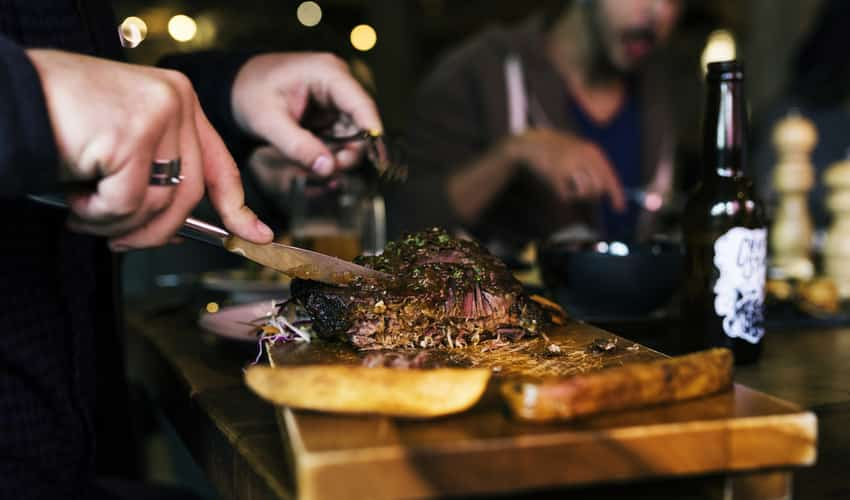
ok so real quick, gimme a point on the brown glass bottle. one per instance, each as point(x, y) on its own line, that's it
point(724, 231)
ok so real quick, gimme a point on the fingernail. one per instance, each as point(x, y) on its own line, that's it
point(118, 248)
point(265, 230)
point(323, 165)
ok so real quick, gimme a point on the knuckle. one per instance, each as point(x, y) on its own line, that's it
point(183, 87)
point(160, 92)
point(164, 101)
point(179, 79)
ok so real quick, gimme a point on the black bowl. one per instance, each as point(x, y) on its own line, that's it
point(603, 279)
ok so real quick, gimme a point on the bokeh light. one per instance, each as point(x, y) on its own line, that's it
point(719, 47)
point(132, 31)
point(182, 28)
point(309, 14)
point(207, 30)
point(362, 73)
point(363, 37)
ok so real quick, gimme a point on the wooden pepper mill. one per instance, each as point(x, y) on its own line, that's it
point(791, 235)
point(836, 251)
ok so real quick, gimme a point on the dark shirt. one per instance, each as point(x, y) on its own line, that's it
point(620, 140)
point(57, 294)
point(52, 282)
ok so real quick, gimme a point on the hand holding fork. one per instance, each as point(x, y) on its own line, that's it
point(385, 156)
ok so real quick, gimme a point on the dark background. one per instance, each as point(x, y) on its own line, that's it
point(413, 33)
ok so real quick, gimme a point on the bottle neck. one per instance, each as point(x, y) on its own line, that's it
point(725, 132)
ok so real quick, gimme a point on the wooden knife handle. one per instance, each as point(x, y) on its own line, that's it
point(629, 386)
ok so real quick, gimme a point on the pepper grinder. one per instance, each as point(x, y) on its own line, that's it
point(836, 252)
point(791, 234)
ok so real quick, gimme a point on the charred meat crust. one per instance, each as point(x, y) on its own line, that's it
point(327, 306)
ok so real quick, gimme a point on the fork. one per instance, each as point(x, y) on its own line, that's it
point(387, 159)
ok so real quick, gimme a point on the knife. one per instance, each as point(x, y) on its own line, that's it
point(292, 261)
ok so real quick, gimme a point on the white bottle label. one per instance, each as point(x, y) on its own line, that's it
point(741, 256)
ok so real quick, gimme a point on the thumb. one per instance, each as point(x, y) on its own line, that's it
point(300, 146)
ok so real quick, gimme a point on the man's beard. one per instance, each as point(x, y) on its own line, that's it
point(602, 67)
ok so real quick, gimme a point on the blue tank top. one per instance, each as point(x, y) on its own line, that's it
point(620, 140)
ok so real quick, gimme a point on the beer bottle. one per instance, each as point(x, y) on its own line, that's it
point(724, 230)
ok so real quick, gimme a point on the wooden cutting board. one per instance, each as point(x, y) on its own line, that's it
point(485, 451)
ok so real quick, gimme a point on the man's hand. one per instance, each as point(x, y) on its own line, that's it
point(574, 168)
point(271, 93)
point(111, 121)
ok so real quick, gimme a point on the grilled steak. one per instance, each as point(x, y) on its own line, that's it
point(444, 292)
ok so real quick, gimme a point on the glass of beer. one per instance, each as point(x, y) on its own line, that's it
point(339, 220)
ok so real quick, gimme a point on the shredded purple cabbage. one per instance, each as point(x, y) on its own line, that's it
point(288, 331)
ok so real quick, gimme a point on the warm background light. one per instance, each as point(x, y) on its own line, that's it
point(132, 31)
point(182, 28)
point(309, 14)
point(363, 37)
point(205, 35)
point(719, 47)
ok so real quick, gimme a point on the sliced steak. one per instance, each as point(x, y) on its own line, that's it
point(444, 292)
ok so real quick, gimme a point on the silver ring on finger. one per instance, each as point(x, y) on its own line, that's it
point(165, 172)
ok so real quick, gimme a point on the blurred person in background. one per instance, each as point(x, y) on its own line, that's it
point(557, 123)
point(73, 115)
point(819, 89)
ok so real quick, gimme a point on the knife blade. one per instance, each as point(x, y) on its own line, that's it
point(292, 261)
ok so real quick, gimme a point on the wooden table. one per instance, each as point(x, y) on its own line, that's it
point(235, 438)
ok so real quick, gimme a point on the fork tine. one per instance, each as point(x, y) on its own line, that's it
point(385, 157)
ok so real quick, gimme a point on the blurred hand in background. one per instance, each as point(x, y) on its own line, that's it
point(272, 94)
